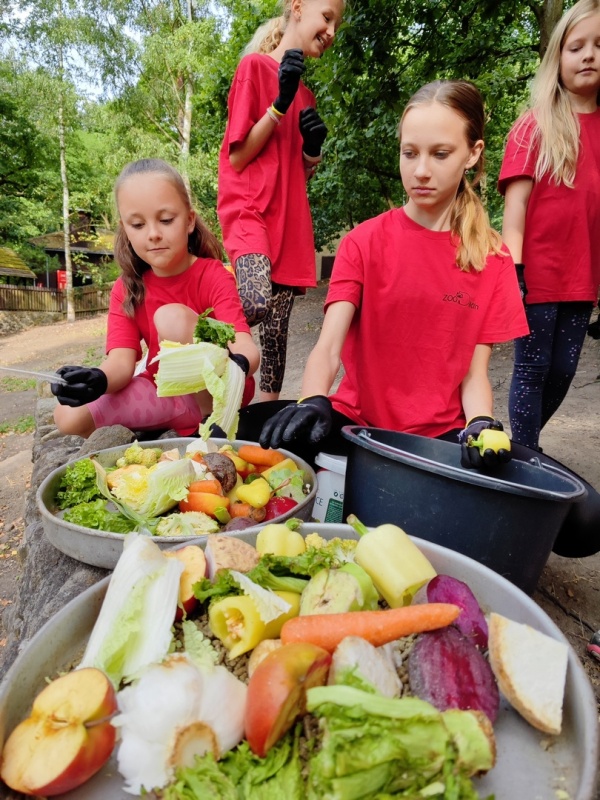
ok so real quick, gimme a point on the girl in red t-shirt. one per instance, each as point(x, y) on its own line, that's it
point(271, 147)
point(550, 176)
point(167, 255)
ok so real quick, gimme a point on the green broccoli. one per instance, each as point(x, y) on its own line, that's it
point(135, 454)
point(340, 550)
point(212, 331)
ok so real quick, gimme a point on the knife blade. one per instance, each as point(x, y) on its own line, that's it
point(52, 377)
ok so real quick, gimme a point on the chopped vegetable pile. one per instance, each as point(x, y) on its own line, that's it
point(173, 495)
point(302, 667)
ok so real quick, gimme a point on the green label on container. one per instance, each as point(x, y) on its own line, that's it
point(334, 511)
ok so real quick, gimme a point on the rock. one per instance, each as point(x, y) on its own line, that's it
point(103, 438)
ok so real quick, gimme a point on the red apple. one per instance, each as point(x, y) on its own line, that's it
point(277, 692)
point(194, 569)
point(66, 739)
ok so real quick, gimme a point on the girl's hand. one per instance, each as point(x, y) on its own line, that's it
point(313, 131)
point(290, 70)
point(84, 384)
point(310, 418)
point(479, 453)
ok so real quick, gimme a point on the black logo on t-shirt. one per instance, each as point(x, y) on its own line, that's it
point(461, 299)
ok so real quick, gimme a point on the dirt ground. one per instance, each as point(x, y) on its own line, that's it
point(569, 589)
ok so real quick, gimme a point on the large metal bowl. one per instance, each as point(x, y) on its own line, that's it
point(526, 768)
point(101, 548)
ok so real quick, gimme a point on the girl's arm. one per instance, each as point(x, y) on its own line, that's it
point(242, 153)
point(476, 390)
point(324, 361)
point(119, 366)
point(516, 199)
point(244, 344)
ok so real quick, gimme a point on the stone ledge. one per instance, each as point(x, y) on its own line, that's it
point(50, 579)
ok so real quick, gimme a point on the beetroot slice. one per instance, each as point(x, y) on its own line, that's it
point(471, 621)
point(448, 671)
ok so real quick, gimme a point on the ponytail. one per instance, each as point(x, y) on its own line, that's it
point(470, 225)
point(267, 36)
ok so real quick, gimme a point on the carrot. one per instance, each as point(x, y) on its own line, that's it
point(212, 486)
point(377, 627)
point(259, 456)
point(240, 509)
point(204, 501)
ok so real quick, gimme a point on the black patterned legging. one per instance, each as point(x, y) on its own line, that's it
point(545, 365)
point(269, 305)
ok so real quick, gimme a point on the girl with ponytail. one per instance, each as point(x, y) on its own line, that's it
point(417, 298)
point(272, 146)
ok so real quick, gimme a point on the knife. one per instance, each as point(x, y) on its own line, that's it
point(53, 377)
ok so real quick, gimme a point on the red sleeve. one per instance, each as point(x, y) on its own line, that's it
point(505, 317)
point(519, 156)
point(243, 102)
point(347, 277)
point(122, 331)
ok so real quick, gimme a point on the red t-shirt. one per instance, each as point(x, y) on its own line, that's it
point(205, 284)
point(418, 320)
point(561, 247)
point(264, 208)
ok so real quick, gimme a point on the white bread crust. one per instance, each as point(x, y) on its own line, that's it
point(531, 670)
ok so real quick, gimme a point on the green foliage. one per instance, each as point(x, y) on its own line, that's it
point(158, 62)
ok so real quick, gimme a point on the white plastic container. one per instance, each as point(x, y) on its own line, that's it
point(329, 501)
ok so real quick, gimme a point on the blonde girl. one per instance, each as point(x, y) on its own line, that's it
point(550, 177)
point(171, 271)
point(417, 297)
point(272, 145)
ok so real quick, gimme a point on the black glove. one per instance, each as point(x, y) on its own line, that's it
point(521, 279)
point(84, 384)
point(313, 131)
point(311, 417)
point(472, 456)
point(241, 361)
point(290, 70)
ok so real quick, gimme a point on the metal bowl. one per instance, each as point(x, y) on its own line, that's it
point(525, 769)
point(101, 548)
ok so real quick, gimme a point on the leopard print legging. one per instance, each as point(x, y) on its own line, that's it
point(269, 305)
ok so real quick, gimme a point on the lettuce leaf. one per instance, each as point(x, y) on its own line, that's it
point(95, 515)
point(78, 484)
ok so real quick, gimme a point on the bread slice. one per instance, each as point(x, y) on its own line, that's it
point(531, 669)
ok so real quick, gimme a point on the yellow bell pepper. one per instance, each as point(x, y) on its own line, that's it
point(396, 565)
point(287, 463)
point(232, 493)
point(236, 622)
point(280, 540)
point(257, 493)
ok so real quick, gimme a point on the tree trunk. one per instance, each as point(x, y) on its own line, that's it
point(547, 17)
point(186, 122)
point(65, 185)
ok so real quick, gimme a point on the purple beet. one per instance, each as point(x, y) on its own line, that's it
point(446, 669)
point(470, 621)
point(239, 523)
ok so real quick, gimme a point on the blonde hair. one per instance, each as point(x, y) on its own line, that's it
point(268, 36)
point(469, 222)
point(556, 132)
point(201, 241)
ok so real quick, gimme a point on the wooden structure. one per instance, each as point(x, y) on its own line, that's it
point(13, 270)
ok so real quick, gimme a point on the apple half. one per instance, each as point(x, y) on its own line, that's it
point(66, 739)
point(194, 569)
point(277, 692)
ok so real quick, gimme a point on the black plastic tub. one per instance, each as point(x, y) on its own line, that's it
point(507, 519)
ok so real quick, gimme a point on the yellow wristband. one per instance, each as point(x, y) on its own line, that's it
point(275, 111)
